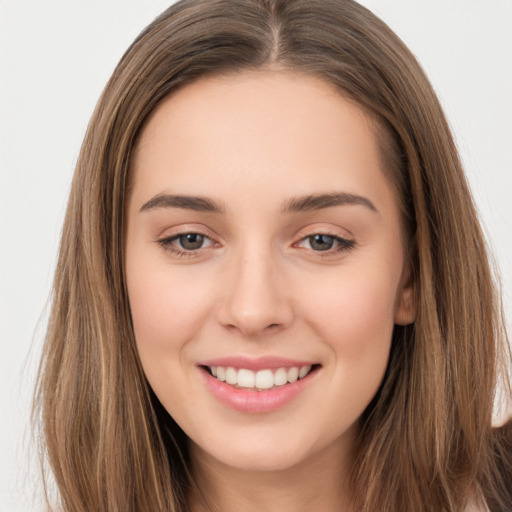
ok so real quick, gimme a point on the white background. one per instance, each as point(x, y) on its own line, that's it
point(56, 56)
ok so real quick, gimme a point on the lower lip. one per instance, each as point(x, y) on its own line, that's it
point(252, 401)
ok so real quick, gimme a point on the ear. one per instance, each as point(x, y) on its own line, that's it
point(406, 306)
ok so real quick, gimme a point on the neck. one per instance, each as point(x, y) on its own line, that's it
point(319, 483)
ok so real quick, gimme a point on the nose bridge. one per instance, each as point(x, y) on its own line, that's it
point(255, 300)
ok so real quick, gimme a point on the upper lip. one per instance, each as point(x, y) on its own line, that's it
point(255, 364)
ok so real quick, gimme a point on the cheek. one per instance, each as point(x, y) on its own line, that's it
point(356, 319)
point(167, 312)
point(356, 311)
point(353, 320)
point(166, 307)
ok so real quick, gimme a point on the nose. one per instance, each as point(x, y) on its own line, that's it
point(255, 299)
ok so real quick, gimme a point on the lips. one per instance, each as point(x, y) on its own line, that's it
point(257, 385)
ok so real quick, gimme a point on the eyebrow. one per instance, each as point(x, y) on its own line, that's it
point(198, 204)
point(309, 202)
point(321, 201)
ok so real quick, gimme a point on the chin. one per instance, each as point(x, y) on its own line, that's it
point(259, 454)
point(259, 461)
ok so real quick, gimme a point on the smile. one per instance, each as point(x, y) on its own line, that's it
point(259, 380)
point(258, 385)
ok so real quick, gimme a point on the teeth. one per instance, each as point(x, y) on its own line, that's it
point(280, 378)
point(292, 374)
point(231, 376)
point(245, 379)
point(262, 379)
point(304, 371)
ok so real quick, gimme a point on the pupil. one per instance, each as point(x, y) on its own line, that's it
point(321, 242)
point(191, 241)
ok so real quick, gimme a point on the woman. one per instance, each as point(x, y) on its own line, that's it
point(272, 289)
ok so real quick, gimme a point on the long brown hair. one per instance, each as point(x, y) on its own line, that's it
point(427, 441)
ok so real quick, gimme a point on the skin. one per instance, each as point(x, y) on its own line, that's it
point(258, 286)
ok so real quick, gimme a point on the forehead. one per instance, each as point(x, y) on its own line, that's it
point(288, 131)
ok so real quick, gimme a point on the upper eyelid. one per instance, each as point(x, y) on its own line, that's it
point(177, 231)
point(345, 242)
point(332, 232)
point(174, 237)
point(306, 232)
point(336, 237)
point(324, 228)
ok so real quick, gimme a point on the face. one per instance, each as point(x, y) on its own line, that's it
point(265, 266)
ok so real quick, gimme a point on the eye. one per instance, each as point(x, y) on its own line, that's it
point(191, 241)
point(321, 242)
point(186, 243)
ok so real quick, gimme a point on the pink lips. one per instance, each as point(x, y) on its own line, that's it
point(250, 400)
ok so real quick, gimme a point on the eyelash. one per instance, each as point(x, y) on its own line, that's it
point(167, 244)
point(343, 244)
